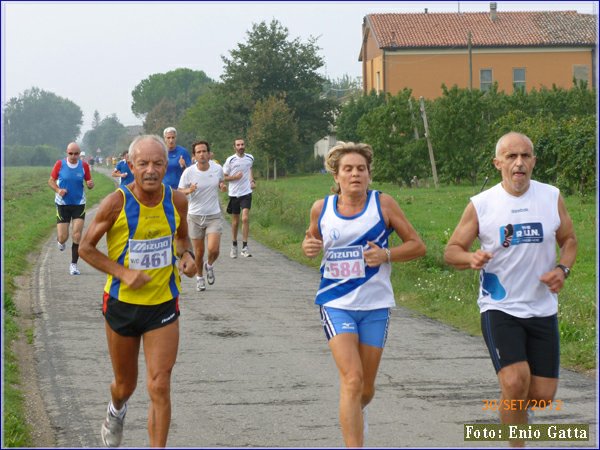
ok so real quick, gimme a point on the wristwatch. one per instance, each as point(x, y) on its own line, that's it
point(192, 253)
point(565, 270)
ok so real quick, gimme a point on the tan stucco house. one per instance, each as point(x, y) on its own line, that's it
point(515, 49)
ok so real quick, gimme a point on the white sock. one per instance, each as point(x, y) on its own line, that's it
point(117, 412)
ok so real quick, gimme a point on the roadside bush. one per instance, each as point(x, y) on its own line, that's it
point(40, 155)
point(464, 127)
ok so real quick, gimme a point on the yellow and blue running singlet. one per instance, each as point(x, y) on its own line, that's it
point(143, 238)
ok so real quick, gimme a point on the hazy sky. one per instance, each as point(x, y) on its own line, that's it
point(95, 53)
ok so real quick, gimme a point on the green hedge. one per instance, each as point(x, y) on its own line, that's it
point(40, 155)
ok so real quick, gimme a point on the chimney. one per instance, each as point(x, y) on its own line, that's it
point(493, 11)
point(426, 10)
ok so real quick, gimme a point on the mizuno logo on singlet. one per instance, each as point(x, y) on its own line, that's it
point(150, 246)
point(343, 254)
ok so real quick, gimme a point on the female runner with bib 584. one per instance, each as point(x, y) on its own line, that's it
point(355, 296)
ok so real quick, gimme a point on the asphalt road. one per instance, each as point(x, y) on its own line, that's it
point(254, 369)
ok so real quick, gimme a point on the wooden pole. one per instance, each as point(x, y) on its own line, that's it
point(268, 167)
point(412, 114)
point(431, 157)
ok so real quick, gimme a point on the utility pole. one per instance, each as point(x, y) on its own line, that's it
point(431, 158)
point(412, 115)
point(470, 61)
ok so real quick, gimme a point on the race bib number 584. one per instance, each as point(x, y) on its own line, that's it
point(344, 263)
point(150, 253)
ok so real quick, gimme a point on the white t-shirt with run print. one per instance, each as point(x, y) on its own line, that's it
point(521, 234)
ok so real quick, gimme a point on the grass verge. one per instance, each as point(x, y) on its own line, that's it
point(29, 217)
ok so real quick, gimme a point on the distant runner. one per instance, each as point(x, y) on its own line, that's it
point(201, 182)
point(238, 171)
point(68, 178)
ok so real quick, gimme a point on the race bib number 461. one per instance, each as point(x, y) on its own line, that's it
point(150, 253)
point(344, 263)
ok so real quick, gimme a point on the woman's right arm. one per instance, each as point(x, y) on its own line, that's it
point(313, 241)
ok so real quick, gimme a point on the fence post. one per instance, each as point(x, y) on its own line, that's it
point(431, 158)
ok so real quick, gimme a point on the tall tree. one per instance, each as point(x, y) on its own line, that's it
point(459, 131)
point(351, 113)
point(217, 118)
point(389, 130)
point(343, 89)
point(41, 117)
point(107, 137)
point(273, 134)
point(96, 120)
point(163, 115)
point(267, 64)
point(181, 86)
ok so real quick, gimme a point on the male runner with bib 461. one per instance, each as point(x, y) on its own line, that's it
point(146, 230)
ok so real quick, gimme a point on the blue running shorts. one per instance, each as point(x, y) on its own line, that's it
point(371, 326)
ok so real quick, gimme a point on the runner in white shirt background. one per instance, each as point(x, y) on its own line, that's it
point(201, 183)
point(238, 171)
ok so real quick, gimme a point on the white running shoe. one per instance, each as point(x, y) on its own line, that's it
point(210, 274)
point(73, 270)
point(246, 252)
point(60, 246)
point(200, 285)
point(112, 428)
point(233, 252)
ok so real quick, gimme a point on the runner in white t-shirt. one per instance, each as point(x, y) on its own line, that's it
point(201, 183)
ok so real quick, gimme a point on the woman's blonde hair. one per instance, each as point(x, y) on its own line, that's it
point(332, 160)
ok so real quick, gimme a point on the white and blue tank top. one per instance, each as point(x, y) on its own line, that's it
point(346, 281)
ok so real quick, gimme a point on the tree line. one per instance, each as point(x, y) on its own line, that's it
point(272, 94)
point(464, 126)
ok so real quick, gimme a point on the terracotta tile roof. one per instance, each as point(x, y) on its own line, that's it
point(510, 29)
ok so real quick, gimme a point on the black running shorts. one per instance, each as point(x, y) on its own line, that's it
point(128, 319)
point(66, 213)
point(511, 339)
point(236, 204)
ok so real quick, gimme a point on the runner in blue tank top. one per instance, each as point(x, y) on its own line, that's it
point(68, 178)
point(351, 228)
